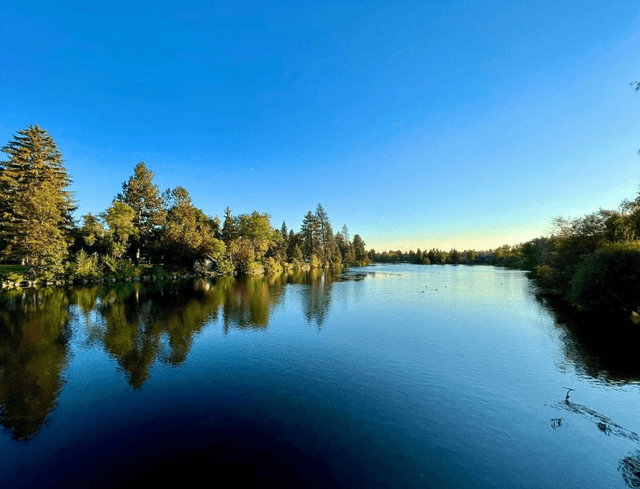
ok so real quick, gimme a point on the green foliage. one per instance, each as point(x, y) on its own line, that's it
point(315, 262)
point(296, 254)
point(144, 197)
point(156, 271)
point(127, 270)
point(256, 228)
point(360, 253)
point(85, 267)
point(109, 266)
point(49, 266)
point(92, 234)
point(255, 268)
point(15, 277)
point(310, 236)
point(272, 266)
point(119, 217)
point(35, 208)
point(610, 279)
point(225, 266)
point(241, 254)
point(188, 233)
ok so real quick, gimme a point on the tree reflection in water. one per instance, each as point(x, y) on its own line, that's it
point(600, 346)
point(136, 323)
point(33, 352)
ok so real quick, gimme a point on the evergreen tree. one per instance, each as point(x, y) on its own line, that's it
point(346, 248)
point(229, 227)
point(144, 197)
point(310, 236)
point(35, 207)
point(358, 248)
point(327, 240)
point(292, 242)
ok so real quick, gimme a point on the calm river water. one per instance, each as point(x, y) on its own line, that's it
point(385, 376)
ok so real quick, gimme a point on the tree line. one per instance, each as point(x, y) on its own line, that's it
point(592, 262)
point(144, 226)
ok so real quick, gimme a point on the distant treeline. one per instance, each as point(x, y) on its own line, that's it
point(142, 227)
point(592, 261)
point(435, 257)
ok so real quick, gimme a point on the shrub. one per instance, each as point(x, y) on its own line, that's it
point(14, 277)
point(225, 267)
point(610, 279)
point(272, 266)
point(49, 267)
point(156, 271)
point(85, 267)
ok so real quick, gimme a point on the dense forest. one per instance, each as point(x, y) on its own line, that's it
point(144, 231)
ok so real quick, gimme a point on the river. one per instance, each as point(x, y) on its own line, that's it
point(384, 376)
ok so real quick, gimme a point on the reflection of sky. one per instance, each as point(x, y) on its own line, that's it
point(461, 381)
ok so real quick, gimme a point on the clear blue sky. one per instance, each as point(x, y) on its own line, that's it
point(418, 124)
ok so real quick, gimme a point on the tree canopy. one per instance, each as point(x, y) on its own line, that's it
point(36, 207)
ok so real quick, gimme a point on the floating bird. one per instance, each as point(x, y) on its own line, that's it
point(569, 389)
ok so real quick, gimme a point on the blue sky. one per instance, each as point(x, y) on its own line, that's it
point(418, 124)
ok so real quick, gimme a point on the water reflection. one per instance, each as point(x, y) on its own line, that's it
point(34, 335)
point(317, 298)
point(598, 346)
point(136, 323)
point(630, 469)
point(630, 465)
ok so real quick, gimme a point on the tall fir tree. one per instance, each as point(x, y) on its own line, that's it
point(35, 205)
point(326, 237)
point(144, 197)
point(229, 227)
point(310, 236)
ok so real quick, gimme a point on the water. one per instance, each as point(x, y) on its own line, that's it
point(386, 376)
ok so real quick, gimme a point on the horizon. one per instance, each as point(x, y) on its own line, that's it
point(465, 126)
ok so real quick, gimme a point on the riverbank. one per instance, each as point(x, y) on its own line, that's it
point(13, 276)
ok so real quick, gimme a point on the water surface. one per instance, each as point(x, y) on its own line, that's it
point(386, 376)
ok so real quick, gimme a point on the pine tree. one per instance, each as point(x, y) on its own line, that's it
point(144, 197)
point(229, 227)
point(310, 236)
point(35, 207)
point(327, 240)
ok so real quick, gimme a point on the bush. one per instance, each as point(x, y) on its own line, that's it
point(49, 267)
point(14, 277)
point(126, 269)
point(255, 268)
point(225, 267)
point(156, 271)
point(272, 266)
point(610, 279)
point(109, 266)
point(85, 267)
point(315, 262)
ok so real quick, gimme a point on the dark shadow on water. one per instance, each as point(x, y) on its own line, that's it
point(599, 345)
